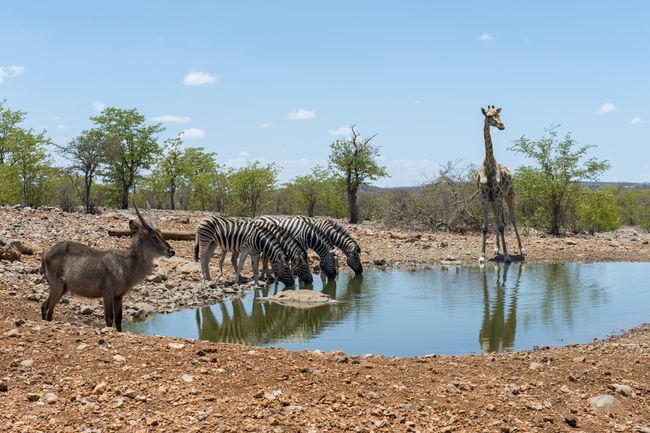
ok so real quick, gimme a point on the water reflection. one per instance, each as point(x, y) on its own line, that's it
point(270, 322)
point(499, 326)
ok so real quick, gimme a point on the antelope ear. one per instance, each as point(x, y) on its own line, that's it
point(498, 110)
point(483, 111)
point(134, 227)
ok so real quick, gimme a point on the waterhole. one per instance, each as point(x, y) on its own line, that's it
point(450, 311)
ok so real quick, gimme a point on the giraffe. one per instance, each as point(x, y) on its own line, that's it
point(494, 182)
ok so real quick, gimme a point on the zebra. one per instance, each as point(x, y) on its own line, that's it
point(341, 239)
point(240, 236)
point(310, 237)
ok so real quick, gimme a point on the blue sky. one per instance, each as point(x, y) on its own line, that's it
point(277, 80)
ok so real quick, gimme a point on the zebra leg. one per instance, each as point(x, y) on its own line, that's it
point(254, 261)
point(206, 255)
point(240, 266)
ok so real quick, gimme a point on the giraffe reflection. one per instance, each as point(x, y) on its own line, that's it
point(499, 327)
point(269, 322)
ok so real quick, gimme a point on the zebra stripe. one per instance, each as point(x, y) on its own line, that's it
point(240, 236)
point(341, 239)
point(310, 237)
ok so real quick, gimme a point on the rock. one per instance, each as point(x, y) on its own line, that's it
point(33, 297)
point(373, 394)
point(21, 246)
point(4, 387)
point(82, 346)
point(570, 418)
point(119, 358)
point(175, 345)
point(565, 389)
point(51, 398)
point(379, 262)
point(86, 310)
point(300, 299)
point(608, 404)
point(641, 429)
point(534, 406)
point(187, 378)
point(190, 267)
point(8, 253)
point(130, 393)
point(33, 397)
point(11, 333)
point(99, 388)
point(152, 421)
point(571, 242)
point(621, 389)
point(27, 363)
point(579, 359)
point(535, 366)
point(443, 244)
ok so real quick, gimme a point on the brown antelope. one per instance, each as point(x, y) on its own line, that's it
point(108, 274)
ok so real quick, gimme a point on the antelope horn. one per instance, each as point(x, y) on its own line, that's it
point(152, 220)
point(142, 221)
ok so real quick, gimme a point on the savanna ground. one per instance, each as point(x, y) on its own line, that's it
point(67, 376)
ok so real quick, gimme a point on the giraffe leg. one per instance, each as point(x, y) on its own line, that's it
point(502, 226)
point(484, 204)
point(510, 202)
point(496, 229)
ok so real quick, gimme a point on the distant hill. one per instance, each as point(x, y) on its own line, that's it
point(592, 185)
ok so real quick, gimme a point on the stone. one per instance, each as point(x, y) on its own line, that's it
point(99, 388)
point(119, 358)
point(86, 310)
point(175, 345)
point(33, 297)
point(444, 244)
point(535, 366)
point(33, 397)
point(51, 398)
point(608, 404)
point(570, 418)
point(21, 246)
point(152, 421)
point(299, 299)
point(187, 378)
point(373, 394)
point(571, 242)
point(4, 387)
point(27, 363)
point(621, 389)
point(565, 389)
point(8, 253)
point(379, 262)
point(11, 333)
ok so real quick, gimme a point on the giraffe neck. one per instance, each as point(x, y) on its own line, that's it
point(489, 163)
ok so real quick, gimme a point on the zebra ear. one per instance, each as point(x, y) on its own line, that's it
point(483, 111)
point(498, 110)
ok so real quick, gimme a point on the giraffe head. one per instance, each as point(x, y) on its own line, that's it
point(492, 117)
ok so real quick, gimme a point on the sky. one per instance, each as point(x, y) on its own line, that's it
point(280, 81)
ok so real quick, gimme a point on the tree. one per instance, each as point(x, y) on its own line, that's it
point(173, 168)
point(250, 184)
point(9, 120)
point(354, 158)
point(32, 164)
point(132, 146)
point(87, 153)
point(547, 191)
point(598, 210)
point(207, 180)
point(311, 188)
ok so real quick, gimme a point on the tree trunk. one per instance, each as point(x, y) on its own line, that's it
point(87, 183)
point(352, 202)
point(172, 192)
point(125, 196)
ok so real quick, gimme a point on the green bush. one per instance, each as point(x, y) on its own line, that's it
point(598, 211)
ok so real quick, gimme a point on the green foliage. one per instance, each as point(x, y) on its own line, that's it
point(355, 160)
point(635, 207)
point(547, 193)
point(310, 190)
point(31, 161)
point(598, 211)
point(251, 185)
point(132, 146)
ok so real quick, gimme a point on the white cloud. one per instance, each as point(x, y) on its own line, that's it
point(486, 37)
point(10, 72)
point(606, 108)
point(172, 118)
point(192, 134)
point(99, 106)
point(343, 130)
point(198, 78)
point(265, 125)
point(301, 114)
point(637, 120)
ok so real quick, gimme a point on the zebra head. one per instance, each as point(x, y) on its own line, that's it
point(301, 270)
point(354, 261)
point(282, 271)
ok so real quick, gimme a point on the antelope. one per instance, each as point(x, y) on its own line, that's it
point(108, 274)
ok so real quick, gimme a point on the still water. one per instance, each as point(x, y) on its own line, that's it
point(445, 311)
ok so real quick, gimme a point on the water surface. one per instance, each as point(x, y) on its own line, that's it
point(445, 311)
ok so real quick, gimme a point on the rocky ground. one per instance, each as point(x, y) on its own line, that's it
point(65, 376)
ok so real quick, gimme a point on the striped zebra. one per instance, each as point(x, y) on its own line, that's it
point(341, 240)
point(310, 237)
point(244, 237)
